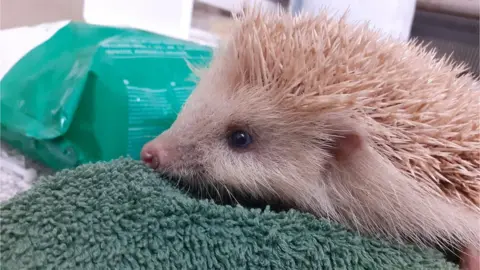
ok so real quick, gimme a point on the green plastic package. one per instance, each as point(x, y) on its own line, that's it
point(91, 93)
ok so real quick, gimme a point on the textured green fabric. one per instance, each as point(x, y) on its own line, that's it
point(120, 215)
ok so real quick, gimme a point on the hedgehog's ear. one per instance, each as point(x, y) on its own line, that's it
point(347, 145)
point(349, 140)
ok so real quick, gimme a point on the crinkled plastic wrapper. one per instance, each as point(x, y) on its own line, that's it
point(91, 93)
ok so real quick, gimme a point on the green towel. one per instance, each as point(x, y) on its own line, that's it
point(121, 215)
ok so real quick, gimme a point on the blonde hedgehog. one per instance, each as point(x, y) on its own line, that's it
point(336, 120)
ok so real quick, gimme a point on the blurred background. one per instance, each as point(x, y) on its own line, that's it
point(452, 26)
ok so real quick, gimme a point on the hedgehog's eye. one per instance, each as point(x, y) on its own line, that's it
point(239, 139)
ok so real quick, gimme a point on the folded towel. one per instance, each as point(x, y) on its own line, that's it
point(121, 215)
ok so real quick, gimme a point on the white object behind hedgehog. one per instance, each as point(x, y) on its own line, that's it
point(167, 17)
point(392, 17)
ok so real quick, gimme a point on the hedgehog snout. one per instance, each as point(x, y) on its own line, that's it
point(158, 153)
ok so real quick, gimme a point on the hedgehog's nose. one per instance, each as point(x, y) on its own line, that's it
point(156, 154)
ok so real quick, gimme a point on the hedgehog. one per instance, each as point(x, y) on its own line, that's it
point(337, 120)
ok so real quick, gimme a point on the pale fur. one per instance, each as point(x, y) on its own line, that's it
point(300, 83)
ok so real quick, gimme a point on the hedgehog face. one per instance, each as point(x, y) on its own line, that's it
point(243, 142)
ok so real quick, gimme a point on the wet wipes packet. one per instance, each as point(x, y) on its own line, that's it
point(73, 93)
